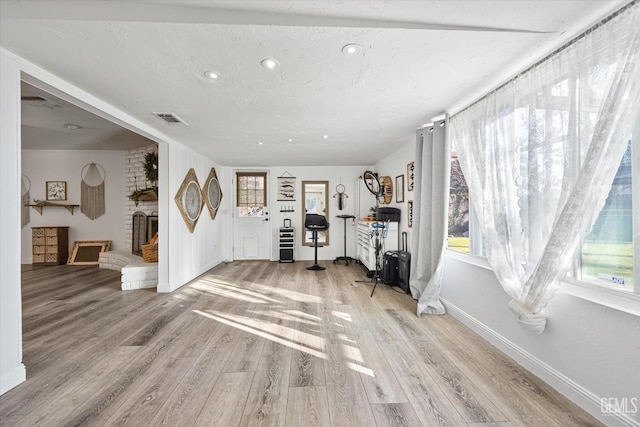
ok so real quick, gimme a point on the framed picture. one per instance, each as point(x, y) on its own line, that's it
point(286, 189)
point(410, 213)
point(87, 252)
point(56, 190)
point(410, 167)
point(399, 188)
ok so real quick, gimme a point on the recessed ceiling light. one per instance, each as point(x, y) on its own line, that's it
point(325, 136)
point(351, 48)
point(260, 142)
point(290, 139)
point(270, 63)
point(212, 75)
point(71, 126)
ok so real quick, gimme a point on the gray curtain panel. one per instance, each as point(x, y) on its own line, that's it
point(430, 214)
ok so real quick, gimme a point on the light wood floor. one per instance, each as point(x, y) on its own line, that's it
point(260, 344)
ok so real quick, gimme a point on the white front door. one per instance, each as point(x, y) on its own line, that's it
point(251, 230)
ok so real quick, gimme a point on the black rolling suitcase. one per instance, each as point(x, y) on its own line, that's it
point(390, 268)
point(404, 265)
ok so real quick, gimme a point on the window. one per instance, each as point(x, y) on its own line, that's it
point(606, 258)
point(251, 193)
point(540, 154)
point(458, 208)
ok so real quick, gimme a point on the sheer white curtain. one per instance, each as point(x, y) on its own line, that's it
point(430, 214)
point(540, 153)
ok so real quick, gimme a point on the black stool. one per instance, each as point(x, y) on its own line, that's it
point(315, 223)
point(345, 257)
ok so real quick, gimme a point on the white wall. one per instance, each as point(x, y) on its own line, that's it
point(12, 371)
point(65, 165)
point(193, 253)
point(393, 165)
point(190, 254)
point(587, 352)
point(347, 175)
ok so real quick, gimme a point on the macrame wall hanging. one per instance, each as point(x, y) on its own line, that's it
point(340, 197)
point(26, 199)
point(92, 190)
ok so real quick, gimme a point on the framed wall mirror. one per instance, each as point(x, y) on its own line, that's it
point(315, 199)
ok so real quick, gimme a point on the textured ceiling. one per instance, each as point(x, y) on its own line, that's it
point(418, 60)
point(44, 126)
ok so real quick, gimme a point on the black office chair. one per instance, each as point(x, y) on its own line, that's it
point(315, 223)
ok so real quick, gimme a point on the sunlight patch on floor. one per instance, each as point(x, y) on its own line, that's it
point(284, 340)
point(306, 339)
point(287, 293)
point(354, 352)
point(343, 316)
point(283, 316)
point(220, 291)
point(222, 288)
point(361, 369)
point(270, 322)
point(302, 314)
point(343, 337)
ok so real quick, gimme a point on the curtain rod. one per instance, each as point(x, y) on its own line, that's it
point(554, 52)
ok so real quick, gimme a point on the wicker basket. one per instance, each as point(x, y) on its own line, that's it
point(150, 252)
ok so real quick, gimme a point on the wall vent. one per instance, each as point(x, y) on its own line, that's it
point(28, 98)
point(38, 102)
point(170, 118)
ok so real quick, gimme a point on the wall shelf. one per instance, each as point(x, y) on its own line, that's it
point(68, 207)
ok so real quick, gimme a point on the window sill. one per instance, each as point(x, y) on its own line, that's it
point(618, 300)
point(477, 260)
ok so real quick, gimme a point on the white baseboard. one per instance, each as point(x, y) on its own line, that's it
point(13, 378)
point(582, 397)
point(166, 288)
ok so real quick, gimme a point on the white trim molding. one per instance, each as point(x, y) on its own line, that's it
point(582, 397)
point(13, 378)
point(612, 298)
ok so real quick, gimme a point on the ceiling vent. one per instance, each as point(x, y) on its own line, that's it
point(170, 118)
point(38, 102)
point(28, 98)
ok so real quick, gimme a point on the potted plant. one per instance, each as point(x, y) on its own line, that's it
point(148, 194)
point(373, 210)
point(150, 166)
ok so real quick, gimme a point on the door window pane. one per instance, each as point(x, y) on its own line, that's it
point(251, 194)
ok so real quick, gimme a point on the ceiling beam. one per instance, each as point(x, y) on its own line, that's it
point(99, 10)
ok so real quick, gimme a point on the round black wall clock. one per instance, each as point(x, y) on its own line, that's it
point(189, 200)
